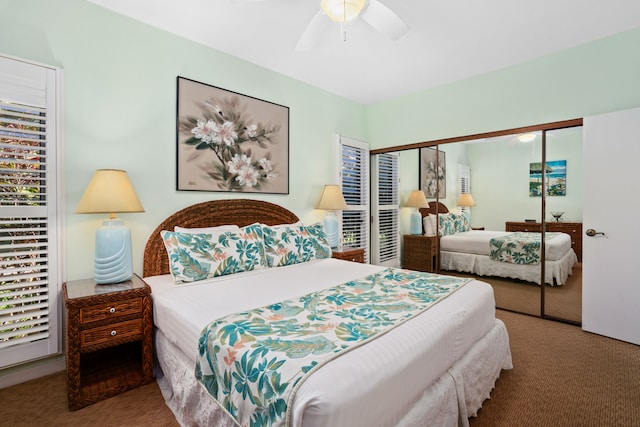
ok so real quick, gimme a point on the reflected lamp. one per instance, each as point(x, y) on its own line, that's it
point(416, 200)
point(111, 192)
point(331, 200)
point(466, 200)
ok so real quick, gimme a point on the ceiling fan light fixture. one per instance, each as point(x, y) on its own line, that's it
point(342, 10)
point(526, 137)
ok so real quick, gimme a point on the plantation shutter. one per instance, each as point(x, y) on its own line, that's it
point(354, 180)
point(385, 243)
point(464, 174)
point(29, 278)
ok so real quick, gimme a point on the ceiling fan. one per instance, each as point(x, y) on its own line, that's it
point(373, 12)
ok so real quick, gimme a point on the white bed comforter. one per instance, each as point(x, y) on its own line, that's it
point(399, 365)
point(477, 242)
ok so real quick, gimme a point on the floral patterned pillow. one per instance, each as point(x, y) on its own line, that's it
point(451, 223)
point(287, 245)
point(200, 256)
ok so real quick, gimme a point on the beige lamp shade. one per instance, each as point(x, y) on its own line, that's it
point(332, 199)
point(342, 10)
point(417, 200)
point(466, 199)
point(109, 191)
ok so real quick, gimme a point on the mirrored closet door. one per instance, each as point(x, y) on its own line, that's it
point(524, 183)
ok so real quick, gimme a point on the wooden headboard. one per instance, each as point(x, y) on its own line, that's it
point(434, 208)
point(210, 214)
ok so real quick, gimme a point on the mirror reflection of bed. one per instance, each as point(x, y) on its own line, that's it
point(467, 253)
point(500, 170)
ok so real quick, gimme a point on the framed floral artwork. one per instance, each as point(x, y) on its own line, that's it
point(433, 173)
point(230, 142)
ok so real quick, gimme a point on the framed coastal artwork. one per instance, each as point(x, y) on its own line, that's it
point(556, 177)
point(230, 142)
point(433, 173)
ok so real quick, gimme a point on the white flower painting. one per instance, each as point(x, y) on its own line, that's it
point(230, 142)
point(433, 173)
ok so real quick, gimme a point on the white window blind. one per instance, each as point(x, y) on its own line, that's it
point(464, 174)
point(385, 243)
point(29, 225)
point(465, 178)
point(354, 179)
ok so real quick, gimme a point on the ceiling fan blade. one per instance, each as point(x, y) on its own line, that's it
point(384, 20)
point(312, 33)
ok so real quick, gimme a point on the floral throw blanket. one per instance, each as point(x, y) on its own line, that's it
point(253, 362)
point(518, 247)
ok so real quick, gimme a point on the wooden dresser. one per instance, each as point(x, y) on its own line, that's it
point(574, 229)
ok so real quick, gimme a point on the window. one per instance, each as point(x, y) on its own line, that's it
point(29, 226)
point(354, 179)
point(385, 244)
point(464, 175)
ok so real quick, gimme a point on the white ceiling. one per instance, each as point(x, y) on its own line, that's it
point(448, 40)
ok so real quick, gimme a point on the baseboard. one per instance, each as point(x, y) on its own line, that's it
point(30, 371)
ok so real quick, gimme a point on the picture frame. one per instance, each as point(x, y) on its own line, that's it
point(556, 177)
point(230, 142)
point(433, 173)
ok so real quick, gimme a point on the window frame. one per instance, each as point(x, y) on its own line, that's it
point(362, 208)
point(39, 85)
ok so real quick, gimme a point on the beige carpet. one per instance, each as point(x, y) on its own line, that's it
point(562, 376)
point(562, 302)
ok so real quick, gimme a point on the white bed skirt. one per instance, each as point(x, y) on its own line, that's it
point(556, 272)
point(455, 396)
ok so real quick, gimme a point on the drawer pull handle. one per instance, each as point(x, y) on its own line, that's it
point(112, 310)
point(113, 333)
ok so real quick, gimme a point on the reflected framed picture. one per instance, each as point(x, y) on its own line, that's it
point(433, 173)
point(230, 142)
point(556, 177)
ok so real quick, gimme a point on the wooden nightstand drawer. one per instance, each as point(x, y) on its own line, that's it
point(349, 254)
point(115, 332)
point(110, 310)
point(109, 339)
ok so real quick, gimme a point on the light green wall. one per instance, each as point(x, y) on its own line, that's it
point(120, 94)
point(500, 179)
point(120, 107)
point(594, 78)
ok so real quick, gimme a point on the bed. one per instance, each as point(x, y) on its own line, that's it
point(435, 368)
point(470, 251)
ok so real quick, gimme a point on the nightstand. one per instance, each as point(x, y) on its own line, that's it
point(349, 254)
point(109, 339)
point(420, 253)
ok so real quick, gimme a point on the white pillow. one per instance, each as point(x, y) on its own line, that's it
point(206, 230)
point(429, 223)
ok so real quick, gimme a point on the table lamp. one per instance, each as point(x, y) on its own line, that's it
point(466, 200)
point(416, 200)
point(331, 200)
point(110, 191)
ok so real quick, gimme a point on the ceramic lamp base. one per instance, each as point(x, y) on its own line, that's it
point(113, 263)
point(331, 229)
point(416, 223)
